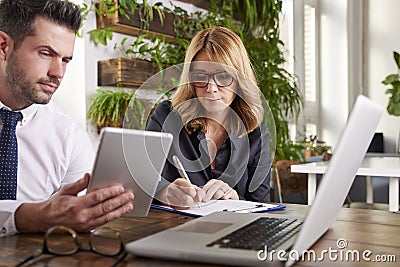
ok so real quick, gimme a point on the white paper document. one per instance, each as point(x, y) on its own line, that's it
point(239, 206)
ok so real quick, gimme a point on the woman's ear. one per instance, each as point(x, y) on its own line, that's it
point(6, 45)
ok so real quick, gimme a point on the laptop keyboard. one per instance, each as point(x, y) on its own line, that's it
point(270, 232)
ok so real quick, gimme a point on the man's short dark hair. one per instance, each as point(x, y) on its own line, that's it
point(17, 17)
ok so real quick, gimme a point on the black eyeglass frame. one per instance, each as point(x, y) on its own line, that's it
point(78, 243)
point(209, 76)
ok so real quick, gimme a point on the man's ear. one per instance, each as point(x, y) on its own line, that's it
point(6, 44)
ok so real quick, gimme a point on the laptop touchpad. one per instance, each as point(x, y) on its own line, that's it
point(205, 227)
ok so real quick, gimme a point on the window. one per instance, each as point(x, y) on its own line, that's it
point(300, 32)
point(310, 89)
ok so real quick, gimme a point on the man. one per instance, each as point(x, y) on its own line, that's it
point(53, 152)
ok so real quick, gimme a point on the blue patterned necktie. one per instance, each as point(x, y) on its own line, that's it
point(8, 154)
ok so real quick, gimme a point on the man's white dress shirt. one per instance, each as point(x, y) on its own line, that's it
point(53, 150)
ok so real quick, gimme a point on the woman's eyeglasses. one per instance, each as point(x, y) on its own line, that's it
point(202, 79)
point(64, 241)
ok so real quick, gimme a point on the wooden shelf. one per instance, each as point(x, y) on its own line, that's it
point(129, 72)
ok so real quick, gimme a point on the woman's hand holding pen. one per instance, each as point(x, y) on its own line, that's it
point(185, 193)
point(181, 194)
point(217, 189)
point(191, 193)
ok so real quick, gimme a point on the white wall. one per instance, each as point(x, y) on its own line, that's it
point(383, 38)
point(334, 71)
point(71, 95)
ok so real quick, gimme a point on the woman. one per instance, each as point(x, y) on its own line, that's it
point(215, 117)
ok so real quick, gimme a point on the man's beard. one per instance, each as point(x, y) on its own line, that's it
point(22, 89)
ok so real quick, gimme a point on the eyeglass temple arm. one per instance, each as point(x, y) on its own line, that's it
point(37, 253)
point(120, 259)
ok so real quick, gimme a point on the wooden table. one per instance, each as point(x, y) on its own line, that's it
point(371, 166)
point(375, 230)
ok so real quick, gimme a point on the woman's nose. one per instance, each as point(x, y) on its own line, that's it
point(212, 86)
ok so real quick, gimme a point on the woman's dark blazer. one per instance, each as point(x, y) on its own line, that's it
point(248, 170)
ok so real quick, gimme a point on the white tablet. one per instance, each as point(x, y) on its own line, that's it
point(134, 159)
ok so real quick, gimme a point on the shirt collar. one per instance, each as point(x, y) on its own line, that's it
point(28, 113)
point(235, 141)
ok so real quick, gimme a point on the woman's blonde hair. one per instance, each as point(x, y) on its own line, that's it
point(223, 46)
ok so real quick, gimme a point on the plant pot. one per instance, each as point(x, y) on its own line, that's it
point(124, 71)
point(309, 153)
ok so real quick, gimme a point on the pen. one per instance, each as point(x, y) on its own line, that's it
point(245, 209)
point(181, 170)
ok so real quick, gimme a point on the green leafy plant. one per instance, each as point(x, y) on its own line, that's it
point(112, 108)
point(146, 48)
point(125, 8)
point(135, 113)
point(393, 80)
point(108, 107)
point(314, 147)
point(186, 25)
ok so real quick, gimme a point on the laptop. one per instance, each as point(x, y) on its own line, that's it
point(226, 237)
point(134, 159)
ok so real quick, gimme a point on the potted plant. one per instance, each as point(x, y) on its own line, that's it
point(112, 108)
point(139, 61)
point(108, 107)
point(314, 147)
point(393, 80)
